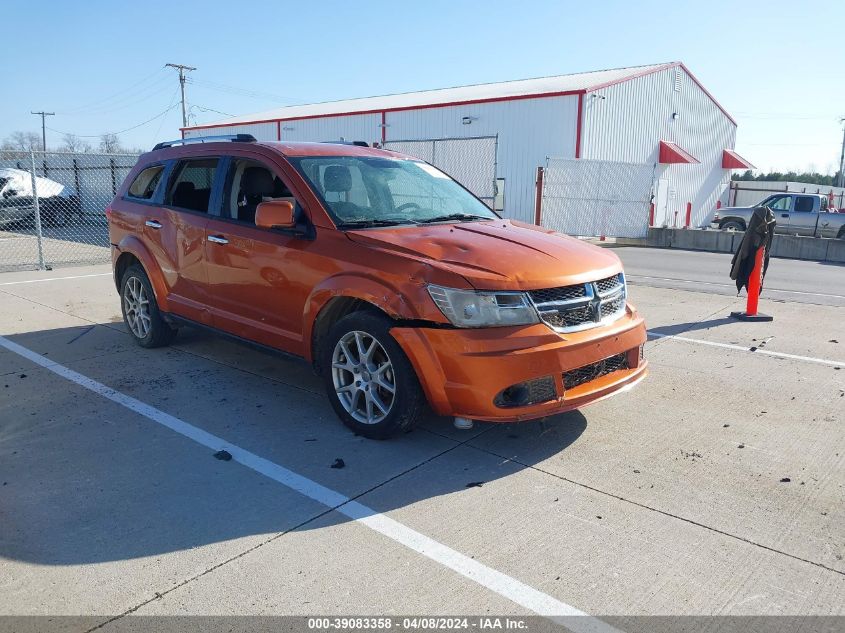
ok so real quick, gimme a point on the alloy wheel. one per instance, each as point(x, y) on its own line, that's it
point(363, 377)
point(136, 305)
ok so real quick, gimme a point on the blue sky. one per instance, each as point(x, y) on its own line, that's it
point(777, 67)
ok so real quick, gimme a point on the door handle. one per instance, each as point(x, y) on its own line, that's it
point(218, 239)
point(784, 215)
point(153, 224)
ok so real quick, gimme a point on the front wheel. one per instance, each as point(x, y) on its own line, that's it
point(732, 225)
point(370, 382)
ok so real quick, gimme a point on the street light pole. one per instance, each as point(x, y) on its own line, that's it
point(43, 116)
point(182, 68)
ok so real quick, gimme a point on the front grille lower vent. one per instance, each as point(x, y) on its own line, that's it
point(585, 374)
point(581, 306)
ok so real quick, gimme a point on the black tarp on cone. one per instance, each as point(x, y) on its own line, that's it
point(760, 231)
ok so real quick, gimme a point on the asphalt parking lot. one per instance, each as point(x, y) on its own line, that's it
point(716, 487)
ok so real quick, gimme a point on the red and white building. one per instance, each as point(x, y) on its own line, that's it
point(658, 115)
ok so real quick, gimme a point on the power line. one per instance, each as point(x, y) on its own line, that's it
point(169, 107)
point(122, 104)
point(182, 68)
point(150, 120)
point(244, 92)
point(138, 86)
point(204, 109)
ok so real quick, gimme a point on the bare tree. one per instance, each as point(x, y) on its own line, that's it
point(22, 142)
point(72, 143)
point(110, 144)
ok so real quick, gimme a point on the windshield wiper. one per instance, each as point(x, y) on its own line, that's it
point(460, 217)
point(363, 224)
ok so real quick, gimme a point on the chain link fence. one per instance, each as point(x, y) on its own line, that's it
point(593, 198)
point(52, 207)
point(470, 160)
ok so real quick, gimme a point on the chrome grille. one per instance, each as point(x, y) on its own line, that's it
point(566, 293)
point(612, 306)
point(610, 285)
point(581, 306)
point(585, 374)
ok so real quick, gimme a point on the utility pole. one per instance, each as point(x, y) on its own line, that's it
point(43, 116)
point(841, 182)
point(182, 68)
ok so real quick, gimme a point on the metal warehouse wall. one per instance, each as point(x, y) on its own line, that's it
point(628, 123)
point(355, 127)
point(261, 131)
point(529, 130)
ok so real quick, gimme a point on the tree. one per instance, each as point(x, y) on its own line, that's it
point(810, 177)
point(72, 143)
point(110, 144)
point(22, 142)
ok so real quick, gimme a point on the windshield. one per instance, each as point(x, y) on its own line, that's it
point(361, 191)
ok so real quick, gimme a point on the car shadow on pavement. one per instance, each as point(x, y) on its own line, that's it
point(85, 480)
point(691, 326)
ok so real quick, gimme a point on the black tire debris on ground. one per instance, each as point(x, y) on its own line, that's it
point(223, 455)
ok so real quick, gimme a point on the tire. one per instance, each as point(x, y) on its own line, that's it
point(136, 300)
point(732, 225)
point(359, 392)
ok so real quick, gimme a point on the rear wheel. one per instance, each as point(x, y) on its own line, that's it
point(732, 225)
point(140, 310)
point(370, 382)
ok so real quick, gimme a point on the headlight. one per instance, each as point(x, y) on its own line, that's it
point(468, 308)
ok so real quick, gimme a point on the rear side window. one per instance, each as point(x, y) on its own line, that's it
point(145, 183)
point(803, 204)
point(192, 184)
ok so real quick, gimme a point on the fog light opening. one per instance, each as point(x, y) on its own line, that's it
point(523, 394)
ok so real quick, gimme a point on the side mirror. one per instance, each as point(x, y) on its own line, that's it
point(275, 214)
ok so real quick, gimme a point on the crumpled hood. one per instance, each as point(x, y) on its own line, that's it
point(497, 254)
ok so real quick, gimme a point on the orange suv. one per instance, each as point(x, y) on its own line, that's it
point(397, 284)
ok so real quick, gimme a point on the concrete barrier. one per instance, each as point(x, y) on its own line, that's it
point(785, 246)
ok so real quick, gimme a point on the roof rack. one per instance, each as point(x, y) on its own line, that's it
point(342, 142)
point(234, 138)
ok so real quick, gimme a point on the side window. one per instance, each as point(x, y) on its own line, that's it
point(145, 183)
point(192, 184)
point(779, 203)
point(249, 183)
point(803, 204)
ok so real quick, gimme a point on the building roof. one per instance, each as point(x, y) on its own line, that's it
point(523, 88)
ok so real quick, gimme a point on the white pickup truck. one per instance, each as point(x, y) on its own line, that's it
point(795, 213)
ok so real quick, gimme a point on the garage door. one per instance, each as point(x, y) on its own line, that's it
point(470, 161)
point(593, 198)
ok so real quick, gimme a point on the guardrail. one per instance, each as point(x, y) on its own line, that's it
point(785, 246)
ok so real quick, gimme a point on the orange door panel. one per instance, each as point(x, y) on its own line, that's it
point(258, 282)
point(176, 240)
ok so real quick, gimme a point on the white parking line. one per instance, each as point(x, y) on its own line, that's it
point(35, 281)
point(711, 283)
point(740, 348)
point(504, 585)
